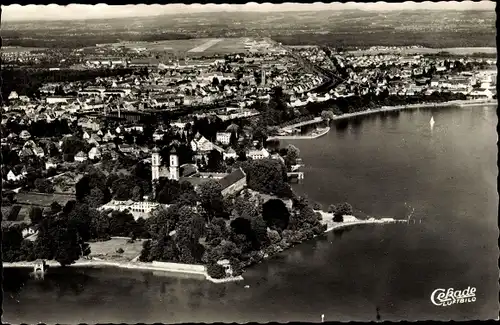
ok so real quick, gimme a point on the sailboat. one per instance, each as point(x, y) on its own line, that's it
point(432, 121)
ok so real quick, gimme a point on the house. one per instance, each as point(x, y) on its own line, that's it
point(26, 152)
point(202, 146)
point(29, 231)
point(38, 151)
point(95, 153)
point(51, 163)
point(25, 135)
point(126, 148)
point(234, 182)
point(13, 177)
point(258, 154)
point(158, 135)
point(223, 137)
point(229, 153)
point(86, 136)
point(108, 137)
point(13, 95)
point(81, 156)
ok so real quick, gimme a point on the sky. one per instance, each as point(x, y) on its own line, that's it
point(103, 11)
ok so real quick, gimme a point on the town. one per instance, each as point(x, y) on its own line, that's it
point(177, 144)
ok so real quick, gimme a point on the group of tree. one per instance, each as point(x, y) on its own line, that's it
point(267, 176)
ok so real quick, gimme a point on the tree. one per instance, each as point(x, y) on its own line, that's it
point(276, 214)
point(55, 208)
point(82, 188)
point(187, 197)
point(80, 218)
point(343, 209)
point(43, 185)
point(100, 226)
point(137, 193)
point(59, 239)
point(216, 271)
point(327, 115)
point(215, 161)
point(11, 243)
point(292, 154)
point(190, 228)
point(233, 140)
point(267, 176)
point(216, 232)
point(211, 198)
point(163, 221)
point(36, 215)
point(121, 223)
point(95, 198)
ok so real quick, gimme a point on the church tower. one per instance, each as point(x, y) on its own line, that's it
point(155, 164)
point(262, 76)
point(174, 165)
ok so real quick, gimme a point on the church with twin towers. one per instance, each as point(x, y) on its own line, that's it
point(158, 171)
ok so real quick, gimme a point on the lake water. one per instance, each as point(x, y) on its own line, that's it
point(378, 163)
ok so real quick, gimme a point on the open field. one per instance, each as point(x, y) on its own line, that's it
point(205, 46)
point(17, 49)
point(192, 47)
point(42, 199)
point(107, 249)
point(173, 46)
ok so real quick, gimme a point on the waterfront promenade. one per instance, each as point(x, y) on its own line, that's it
point(460, 103)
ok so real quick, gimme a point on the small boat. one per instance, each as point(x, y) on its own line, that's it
point(432, 121)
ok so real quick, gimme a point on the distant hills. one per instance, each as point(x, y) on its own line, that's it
point(345, 28)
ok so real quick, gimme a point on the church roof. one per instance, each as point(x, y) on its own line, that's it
point(232, 178)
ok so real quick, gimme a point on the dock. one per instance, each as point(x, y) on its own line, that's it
point(298, 175)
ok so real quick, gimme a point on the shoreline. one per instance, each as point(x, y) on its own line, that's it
point(383, 109)
point(140, 266)
point(461, 103)
point(301, 137)
point(327, 219)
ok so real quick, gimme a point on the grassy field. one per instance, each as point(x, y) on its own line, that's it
point(41, 199)
point(107, 249)
point(183, 47)
point(17, 49)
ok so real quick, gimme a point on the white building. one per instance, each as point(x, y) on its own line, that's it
point(51, 163)
point(137, 209)
point(258, 154)
point(229, 153)
point(95, 153)
point(223, 137)
point(81, 156)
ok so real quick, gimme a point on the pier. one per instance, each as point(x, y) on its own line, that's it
point(296, 175)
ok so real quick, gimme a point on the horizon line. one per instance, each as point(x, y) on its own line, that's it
point(80, 12)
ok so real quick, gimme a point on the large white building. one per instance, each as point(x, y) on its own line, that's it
point(137, 209)
point(258, 154)
point(223, 137)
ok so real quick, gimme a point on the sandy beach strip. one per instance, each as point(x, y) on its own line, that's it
point(349, 221)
